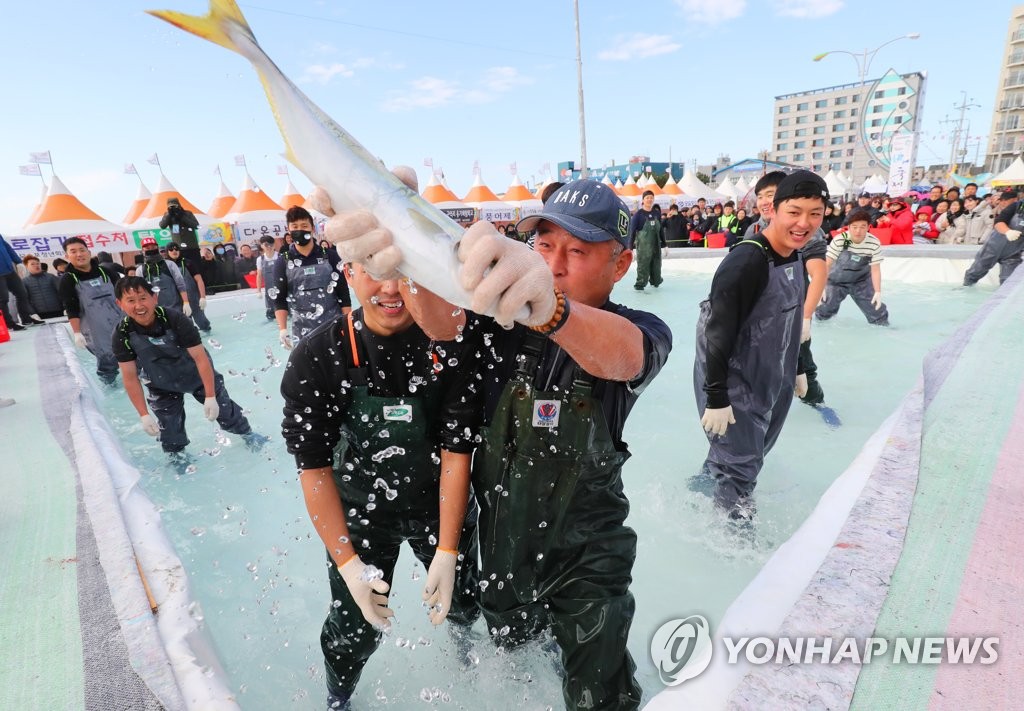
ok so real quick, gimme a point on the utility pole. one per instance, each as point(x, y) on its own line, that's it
point(579, 82)
point(954, 142)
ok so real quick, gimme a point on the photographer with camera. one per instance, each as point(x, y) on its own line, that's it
point(182, 223)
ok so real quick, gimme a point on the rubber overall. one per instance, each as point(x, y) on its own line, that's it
point(168, 372)
point(99, 317)
point(267, 272)
point(192, 291)
point(851, 275)
point(998, 249)
point(386, 468)
point(159, 277)
point(311, 298)
point(648, 253)
point(552, 534)
point(762, 375)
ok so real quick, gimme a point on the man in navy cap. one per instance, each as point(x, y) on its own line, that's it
point(557, 388)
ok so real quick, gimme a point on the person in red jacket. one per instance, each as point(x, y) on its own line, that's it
point(901, 220)
point(924, 228)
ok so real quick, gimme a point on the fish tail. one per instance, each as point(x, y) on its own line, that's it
point(224, 14)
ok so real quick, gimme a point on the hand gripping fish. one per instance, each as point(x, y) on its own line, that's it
point(333, 159)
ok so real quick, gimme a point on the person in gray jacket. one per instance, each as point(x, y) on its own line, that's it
point(973, 226)
point(43, 297)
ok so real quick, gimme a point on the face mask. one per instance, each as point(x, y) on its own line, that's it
point(152, 254)
point(301, 237)
point(219, 252)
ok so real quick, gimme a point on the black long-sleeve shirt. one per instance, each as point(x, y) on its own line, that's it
point(739, 282)
point(68, 292)
point(317, 385)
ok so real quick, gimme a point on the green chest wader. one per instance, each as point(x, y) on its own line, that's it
point(554, 547)
point(648, 253)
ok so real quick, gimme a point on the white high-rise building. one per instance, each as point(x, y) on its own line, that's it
point(1006, 138)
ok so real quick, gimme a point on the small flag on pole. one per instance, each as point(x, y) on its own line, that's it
point(129, 169)
point(476, 167)
point(240, 160)
point(31, 169)
point(43, 157)
point(153, 159)
point(428, 162)
point(282, 170)
point(216, 171)
point(545, 169)
point(512, 168)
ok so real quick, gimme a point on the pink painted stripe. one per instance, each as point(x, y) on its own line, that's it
point(991, 601)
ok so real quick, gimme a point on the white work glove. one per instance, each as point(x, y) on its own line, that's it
point(876, 300)
point(149, 425)
point(80, 341)
point(437, 592)
point(369, 592)
point(202, 303)
point(358, 236)
point(285, 338)
point(186, 309)
point(801, 385)
point(716, 420)
point(504, 275)
point(664, 251)
point(805, 331)
point(210, 408)
point(1012, 235)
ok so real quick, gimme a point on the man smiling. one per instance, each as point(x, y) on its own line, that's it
point(748, 339)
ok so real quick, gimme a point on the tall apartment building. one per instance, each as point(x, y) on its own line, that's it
point(848, 128)
point(1006, 137)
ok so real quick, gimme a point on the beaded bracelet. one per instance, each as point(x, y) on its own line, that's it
point(558, 319)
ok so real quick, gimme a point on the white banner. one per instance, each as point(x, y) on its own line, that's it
point(51, 246)
point(249, 232)
point(901, 163)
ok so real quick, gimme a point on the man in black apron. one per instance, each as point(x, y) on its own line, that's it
point(748, 340)
point(555, 551)
point(87, 292)
point(165, 278)
point(162, 348)
point(265, 274)
point(380, 419)
point(195, 287)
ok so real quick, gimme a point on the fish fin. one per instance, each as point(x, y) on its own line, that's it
point(213, 26)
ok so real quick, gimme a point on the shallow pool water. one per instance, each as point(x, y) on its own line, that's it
point(239, 523)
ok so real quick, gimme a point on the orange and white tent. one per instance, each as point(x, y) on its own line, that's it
point(440, 196)
point(38, 207)
point(61, 213)
point(142, 198)
point(519, 196)
point(254, 205)
point(157, 206)
point(223, 203)
point(488, 206)
point(292, 197)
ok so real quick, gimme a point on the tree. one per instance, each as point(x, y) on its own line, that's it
point(703, 177)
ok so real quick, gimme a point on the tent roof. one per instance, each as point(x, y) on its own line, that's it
point(39, 206)
point(517, 192)
point(221, 204)
point(629, 188)
point(254, 204)
point(436, 192)
point(671, 186)
point(61, 213)
point(142, 198)
point(1013, 175)
point(291, 196)
point(157, 206)
point(694, 188)
point(479, 193)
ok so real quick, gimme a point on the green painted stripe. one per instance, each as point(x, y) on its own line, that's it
point(964, 430)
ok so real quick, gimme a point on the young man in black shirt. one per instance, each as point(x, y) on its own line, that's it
point(381, 420)
point(165, 346)
point(87, 292)
point(1003, 245)
point(748, 341)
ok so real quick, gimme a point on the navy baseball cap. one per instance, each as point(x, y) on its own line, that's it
point(587, 209)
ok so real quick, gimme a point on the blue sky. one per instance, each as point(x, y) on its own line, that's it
point(103, 84)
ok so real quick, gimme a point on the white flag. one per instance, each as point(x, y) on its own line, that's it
point(512, 168)
point(545, 169)
point(31, 169)
point(240, 160)
point(282, 170)
point(428, 162)
point(153, 159)
point(129, 169)
point(43, 157)
point(476, 167)
point(216, 171)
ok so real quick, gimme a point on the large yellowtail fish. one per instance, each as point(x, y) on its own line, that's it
point(333, 159)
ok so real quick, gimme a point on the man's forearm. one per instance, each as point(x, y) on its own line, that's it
point(604, 344)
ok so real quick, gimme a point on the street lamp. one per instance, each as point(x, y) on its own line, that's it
point(863, 60)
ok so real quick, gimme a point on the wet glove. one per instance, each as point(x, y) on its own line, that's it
point(80, 340)
point(1012, 235)
point(437, 592)
point(876, 300)
point(210, 408)
point(368, 590)
point(805, 331)
point(186, 309)
point(801, 385)
point(504, 275)
point(716, 420)
point(285, 338)
point(202, 303)
point(149, 425)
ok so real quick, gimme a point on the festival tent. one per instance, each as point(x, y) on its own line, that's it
point(223, 203)
point(618, 185)
point(1013, 175)
point(439, 195)
point(254, 205)
point(292, 196)
point(876, 185)
point(38, 207)
point(694, 188)
point(836, 187)
point(489, 207)
point(672, 187)
point(157, 206)
point(518, 195)
point(608, 181)
point(630, 188)
point(142, 198)
point(727, 188)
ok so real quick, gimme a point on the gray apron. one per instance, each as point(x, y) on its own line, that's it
point(311, 297)
point(99, 317)
point(159, 278)
point(267, 273)
point(192, 291)
point(762, 375)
